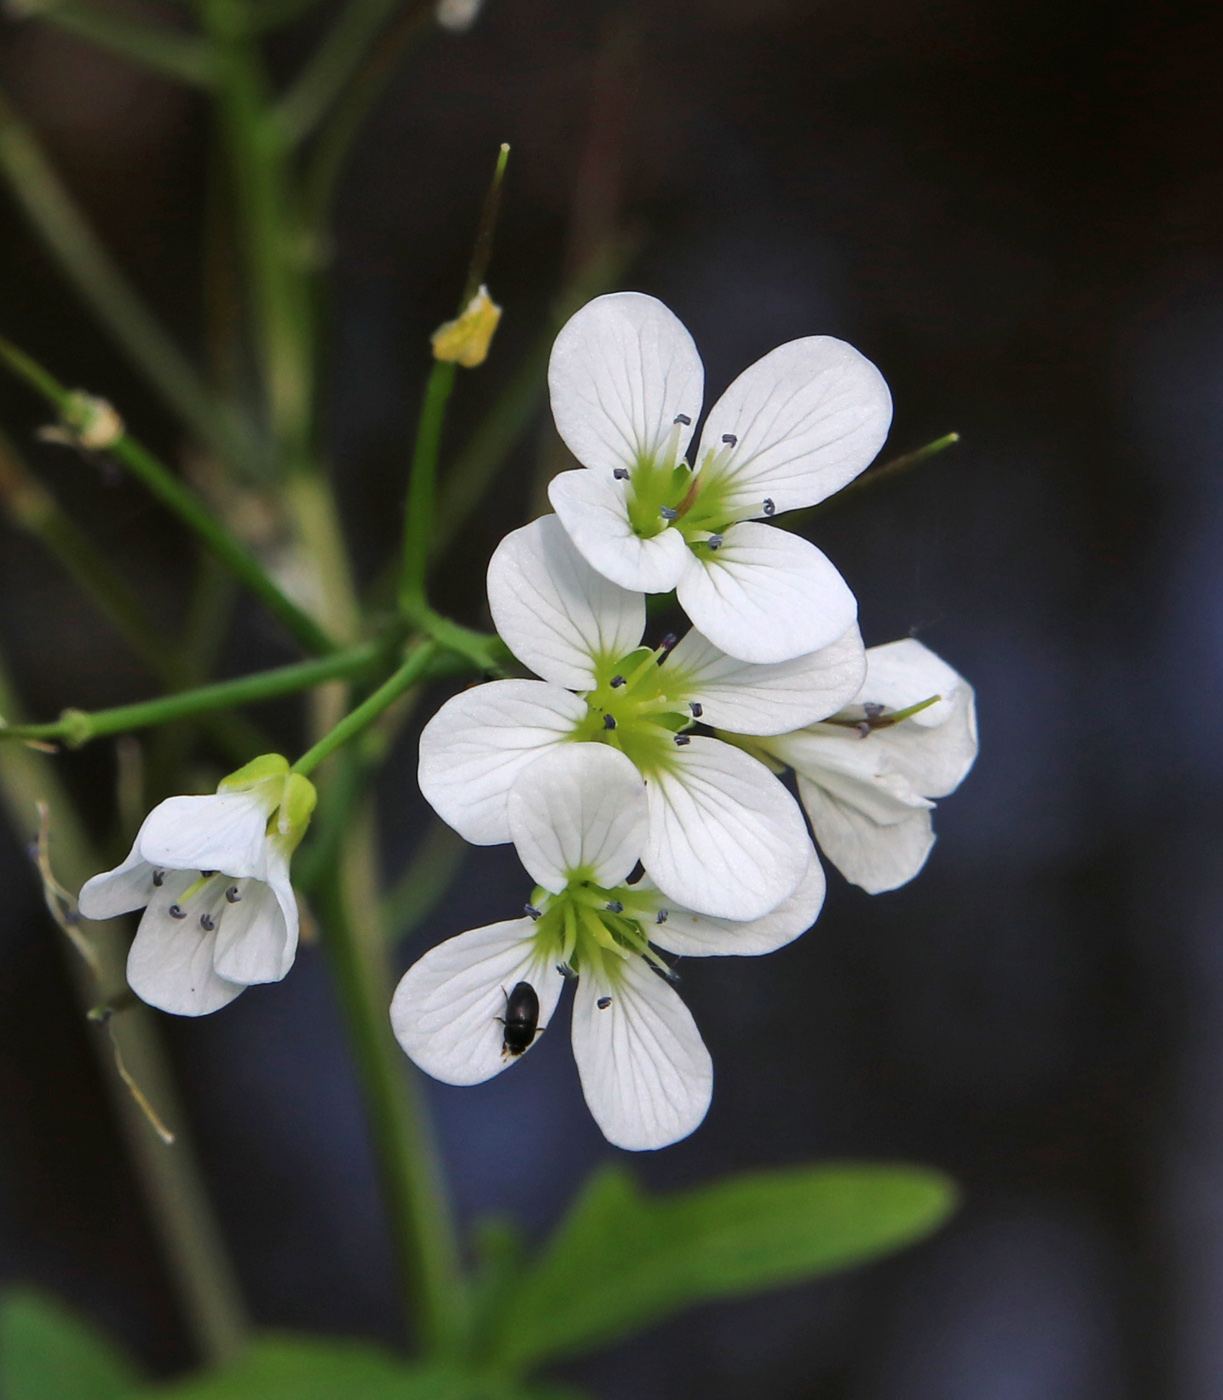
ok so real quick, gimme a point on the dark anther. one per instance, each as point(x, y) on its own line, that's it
point(864, 729)
point(769, 507)
point(729, 439)
point(684, 419)
point(603, 1003)
point(566, 971)
point(661, 916)
point(177, 911)
point(620, 473)
point(531, 911)
point(613, 906)
point(667, 643)
point(609, 721)
point(72, 917)
point(232, 894)
point(873, 709)
point(617, 682)
point(207, 923)
point(159, 878)
point(697, 708)
point(207, 874)
point(682, 739)
point(714, 542)
point(668, 512)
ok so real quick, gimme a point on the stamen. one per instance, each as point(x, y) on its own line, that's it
point(531, 911)
point(609, 721)
point(661, 916)
point(159, 878)
point(566, 971)
point(603, 1003)
point(684, 419)
point(729, 439)
point(682, 739)
point(668, 512)
point(617, 682)
point(864, 729)
point(769, 507)
point(176, 911)
point(873, 709)
point(207, 923)
point(208, 874)
point(620, 473)
point(613, 906)
point(714, 542)
point(697, 708)
point(666, 646)
point(232, 894)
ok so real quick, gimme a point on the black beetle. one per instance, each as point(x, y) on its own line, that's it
point(521, 1019)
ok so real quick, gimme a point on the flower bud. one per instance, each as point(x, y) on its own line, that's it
point(467, 339)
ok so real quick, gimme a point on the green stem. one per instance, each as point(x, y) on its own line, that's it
point(167, 51)
point(77, 727)
point(183, 502)
point(331, 67)
point(414, 669)
point(424, 883)
point(81, 256)
point(870, 478)
point(422, 484)
point(199, 1269)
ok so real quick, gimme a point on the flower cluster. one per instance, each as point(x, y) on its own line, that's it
point(666, 759)
point(640, 784)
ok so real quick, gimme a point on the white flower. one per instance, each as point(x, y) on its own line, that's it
point(578, 817)
point(212, 875)
point(867, 775)
point(626, 384)
point(723, 835)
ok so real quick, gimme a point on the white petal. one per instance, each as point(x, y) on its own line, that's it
point(128, 886)
point(725, 837)
point(877, 857)
point(645, 1071)
point(903, 673)
point(226, 831)
point(698, 936)
point(766, 595)
point(746, 698)
point(446, 1008)
point(554, 612)
point(592, 509)
point(855, 770)
point(479, 741)
point(579, 807)
point(807, 417)
point(257, 936)
point(622, 369)
point(170, 962)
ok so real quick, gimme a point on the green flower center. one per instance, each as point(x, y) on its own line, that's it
point(665, 492)
point(638, 707)
point(587, 927)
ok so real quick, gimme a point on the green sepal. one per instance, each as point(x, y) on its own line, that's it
point(623, 1260)
point(47, 1352)
point(257, 771)
point(296, 807)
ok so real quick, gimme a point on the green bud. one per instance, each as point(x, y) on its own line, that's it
point(257, 771)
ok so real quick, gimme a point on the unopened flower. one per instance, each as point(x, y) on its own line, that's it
point(465, 341)
point(723, 835)
point(627, 384)
point(868, 775)
point(578, 817)
point(212, 875)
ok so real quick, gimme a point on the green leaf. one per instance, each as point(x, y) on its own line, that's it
point(622, 1260)
point(48, 1353)
point(287, 1367)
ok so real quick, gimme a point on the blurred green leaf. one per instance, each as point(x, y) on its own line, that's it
point(312, 1368)
point(48, 1353)
point(622, 1260)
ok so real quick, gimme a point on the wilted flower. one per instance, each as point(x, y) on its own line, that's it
point(578, 817)
point(626, 384)
point(212, 875)
point(723, 835)
point(868, 775)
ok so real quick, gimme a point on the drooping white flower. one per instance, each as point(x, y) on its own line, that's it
point(212, 875)
point(578, 817)
point(723, 835)
point(626, 384)
point(868, 775)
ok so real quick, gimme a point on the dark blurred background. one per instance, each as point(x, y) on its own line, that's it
point(1014, 208)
